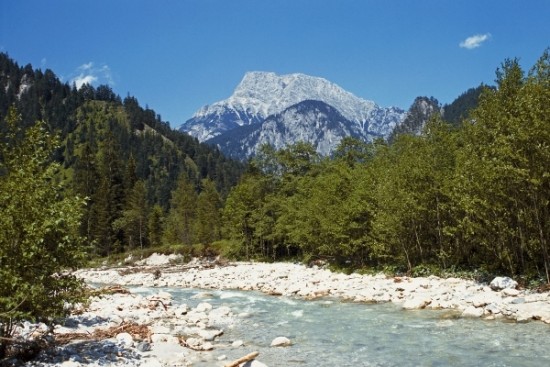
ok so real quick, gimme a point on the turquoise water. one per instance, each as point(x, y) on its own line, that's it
point(334, 333)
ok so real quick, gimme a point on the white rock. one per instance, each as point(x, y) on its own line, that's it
point(510, 292)
point(253, 363)
point(472, 311)
point(125, 339)
point(500, 283)
point(203, 307)
point(164, 339)
point(237, 344)
point(281, 341)
point(416, 303)
point(171, 354)
point(70, 364)
point(210, 334)
point(480, 300)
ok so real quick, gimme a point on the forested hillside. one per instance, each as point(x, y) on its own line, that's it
point(120, 156)
point(475, 196)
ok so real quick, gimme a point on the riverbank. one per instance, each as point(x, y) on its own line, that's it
point(136, 330)
point(466, 298)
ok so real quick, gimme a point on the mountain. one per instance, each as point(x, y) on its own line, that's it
point(416, 117)
point(312, 121)
point(263, 95)
point(460, 108)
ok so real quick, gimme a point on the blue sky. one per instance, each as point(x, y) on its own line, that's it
point(178, 55)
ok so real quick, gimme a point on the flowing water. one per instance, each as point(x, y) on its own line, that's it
point(333, 333)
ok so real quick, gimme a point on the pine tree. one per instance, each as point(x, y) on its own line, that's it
point(134, 217)
point(208, 220)
point(180, 222)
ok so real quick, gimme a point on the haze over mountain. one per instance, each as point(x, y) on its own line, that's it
point(266, 96)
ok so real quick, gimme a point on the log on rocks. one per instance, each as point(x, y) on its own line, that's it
point(246, 358)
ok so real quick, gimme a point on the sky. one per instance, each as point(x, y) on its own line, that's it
point(175, 56)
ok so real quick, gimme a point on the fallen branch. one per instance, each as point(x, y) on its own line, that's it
point(246, 358)
point(158, 301)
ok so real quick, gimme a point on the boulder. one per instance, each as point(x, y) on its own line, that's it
point(281, 341)
point(500, 283)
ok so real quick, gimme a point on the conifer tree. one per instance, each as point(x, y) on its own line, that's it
point(180, 222)
point(208, 221)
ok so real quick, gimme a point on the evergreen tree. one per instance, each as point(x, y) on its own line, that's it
point(134, 217)
point(208, 219)
point(155, 225)
point(180, 222)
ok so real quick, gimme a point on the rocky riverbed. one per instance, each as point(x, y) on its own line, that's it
point(156, 331)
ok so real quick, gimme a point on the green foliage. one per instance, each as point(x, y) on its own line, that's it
point(460, 109)
point(474, 196)
point(106, 145)
point(180, 222)
point(39, 225)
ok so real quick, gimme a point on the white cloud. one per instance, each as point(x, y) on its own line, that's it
point(82, 79)
point(88, 73)
point(474, 41)
point(87, 66)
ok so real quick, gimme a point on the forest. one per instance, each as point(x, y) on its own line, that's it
point(473, 195)
point(468, 194)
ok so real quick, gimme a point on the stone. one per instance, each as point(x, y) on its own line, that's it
point(472, 311)
point(164, 338)
point(281, 341)
point(493, 309)
point(254, 363)
point(143, 347)
point(70, 364)
point(237, 343)
point(500, 283)
point(170, 354)
point(203, 307)
point(125, 339)
point(512, 292)
point(416, 303)
point(210, 334)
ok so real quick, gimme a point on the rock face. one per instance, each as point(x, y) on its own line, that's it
point(315, 122)
point(262, 95)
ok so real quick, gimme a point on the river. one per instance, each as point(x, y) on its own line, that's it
point(329, 332)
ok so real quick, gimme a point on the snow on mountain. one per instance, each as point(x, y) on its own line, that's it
point(262, 94)
point(310, 121)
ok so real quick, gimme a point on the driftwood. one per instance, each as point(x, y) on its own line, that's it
point(140, 331)
point(156, 304)
point(246, 358)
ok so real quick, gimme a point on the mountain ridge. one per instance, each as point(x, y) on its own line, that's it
point(261, 95)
